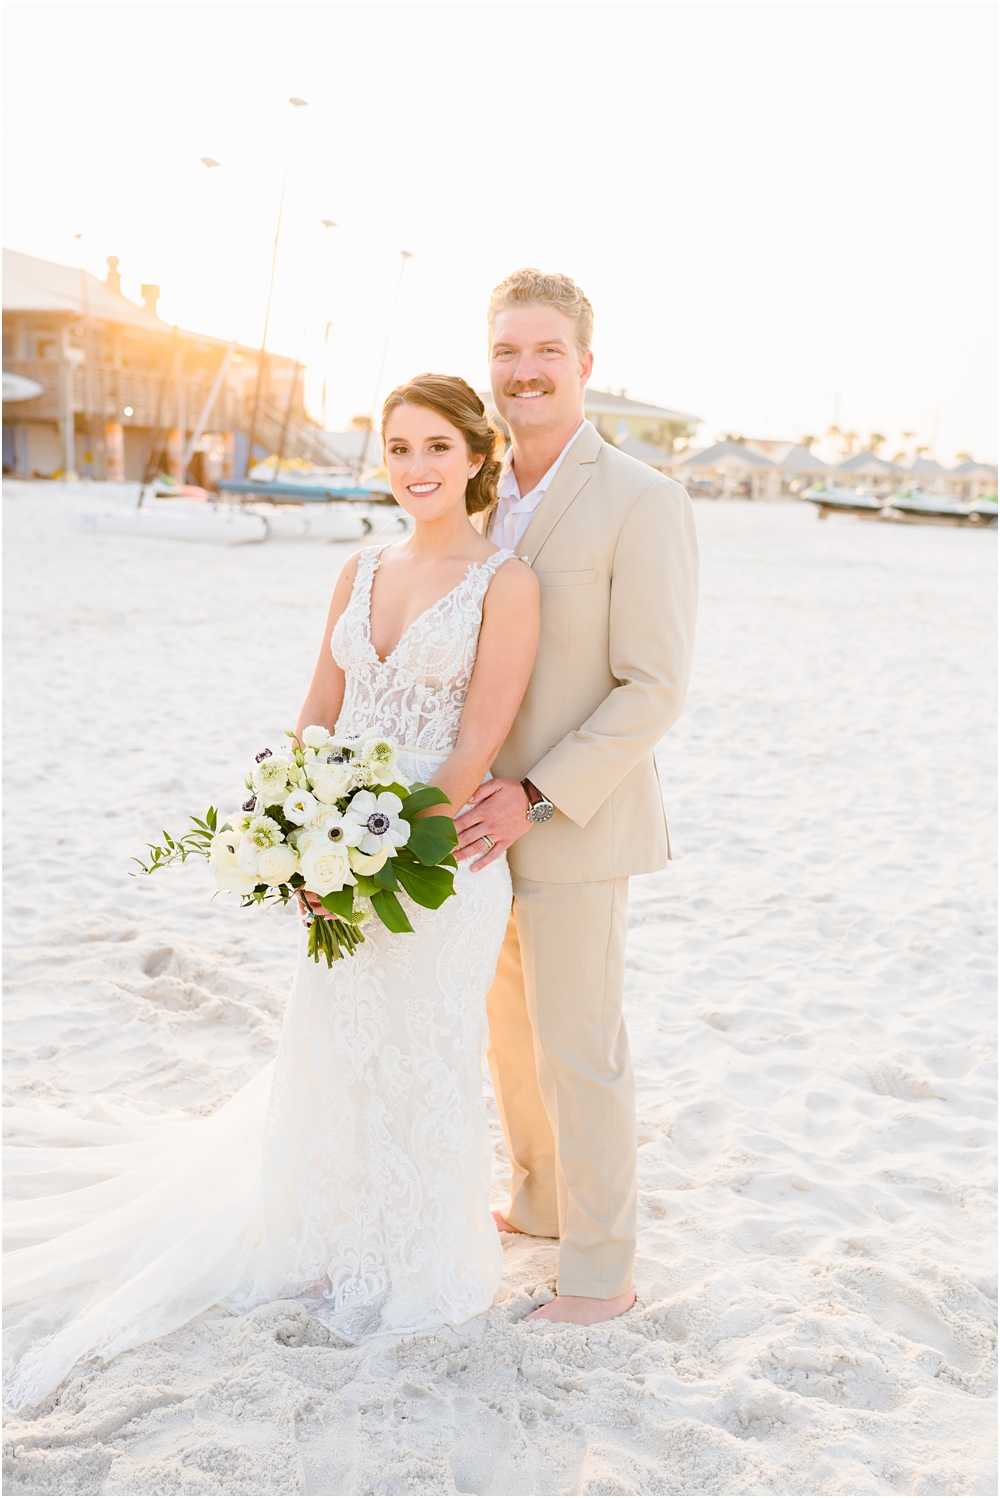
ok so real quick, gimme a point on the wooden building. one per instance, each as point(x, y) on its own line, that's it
point(124, 394)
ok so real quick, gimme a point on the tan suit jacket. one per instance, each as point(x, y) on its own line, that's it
point(614, 548)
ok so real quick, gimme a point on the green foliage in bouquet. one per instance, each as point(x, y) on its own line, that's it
point(280, 842)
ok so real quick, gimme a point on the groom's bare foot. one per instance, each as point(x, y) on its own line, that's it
point(584, 1310)
point(503, 1226)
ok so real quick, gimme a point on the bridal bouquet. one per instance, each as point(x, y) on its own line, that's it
point(328, 817)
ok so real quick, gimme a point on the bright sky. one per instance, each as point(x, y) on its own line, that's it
point(783, 213)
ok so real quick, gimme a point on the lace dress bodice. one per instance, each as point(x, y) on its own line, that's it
point(416, 695)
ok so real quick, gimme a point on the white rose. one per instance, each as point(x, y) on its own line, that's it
point(315, 737)
point(299, 807)
point(222, 860)
point(277, 865)
point(325, 867)
point(330, 781)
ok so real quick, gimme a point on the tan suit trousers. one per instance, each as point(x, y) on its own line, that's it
point(562, 1072)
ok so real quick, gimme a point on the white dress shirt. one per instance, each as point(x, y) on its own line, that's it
point(514, 511)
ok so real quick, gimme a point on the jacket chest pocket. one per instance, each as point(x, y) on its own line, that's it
point(567, 579)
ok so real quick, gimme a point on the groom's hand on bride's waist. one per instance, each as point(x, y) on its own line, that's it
point(498, 810)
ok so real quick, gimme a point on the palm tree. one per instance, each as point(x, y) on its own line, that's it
point(808, 443)
point(875, 441)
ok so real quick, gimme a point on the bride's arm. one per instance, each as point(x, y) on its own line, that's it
point(508, 641)
point(326, 690)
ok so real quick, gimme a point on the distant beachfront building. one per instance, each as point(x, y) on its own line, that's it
point(121, 393)
point(974, 479)
point(728, 468)
point(757, 469)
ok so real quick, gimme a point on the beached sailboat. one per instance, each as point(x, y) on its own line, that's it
point(176, 520)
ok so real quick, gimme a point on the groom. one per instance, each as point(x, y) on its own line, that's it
point(576, 802)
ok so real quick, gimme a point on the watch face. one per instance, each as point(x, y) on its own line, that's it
point(542, 811)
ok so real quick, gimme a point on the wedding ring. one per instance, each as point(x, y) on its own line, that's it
point(488, 841)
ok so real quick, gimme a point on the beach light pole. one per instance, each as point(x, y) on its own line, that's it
point(404, 256)
point(328, 224)
point(326, 368)
point(296, 104)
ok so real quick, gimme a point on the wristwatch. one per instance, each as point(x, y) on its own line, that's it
point(540, 809)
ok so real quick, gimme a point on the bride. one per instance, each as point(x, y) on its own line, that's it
point(353, 1172)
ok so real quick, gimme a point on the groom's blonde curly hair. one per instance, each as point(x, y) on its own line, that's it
point(535, 288)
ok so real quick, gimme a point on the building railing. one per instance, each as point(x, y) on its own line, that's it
point(152, 399)
point(105, 390)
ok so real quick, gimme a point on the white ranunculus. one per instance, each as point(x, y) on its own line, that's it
point(369, 863)
point(330, 781)
point(315, 737)
point(277, 865)
point(299, 807)
point(372, 821)
point(222, 860)
point(240, 821)
point(325, 867)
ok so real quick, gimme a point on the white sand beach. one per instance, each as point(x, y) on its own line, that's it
point(810, 993)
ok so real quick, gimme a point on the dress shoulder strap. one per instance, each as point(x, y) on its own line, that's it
point(368, 560)
point(493, 564)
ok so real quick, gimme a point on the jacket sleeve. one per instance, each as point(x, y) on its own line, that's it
point(654, 596)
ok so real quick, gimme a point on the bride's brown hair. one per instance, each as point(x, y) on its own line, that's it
point(458, 403)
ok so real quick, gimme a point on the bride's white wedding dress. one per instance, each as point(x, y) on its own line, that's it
point(353, 1172)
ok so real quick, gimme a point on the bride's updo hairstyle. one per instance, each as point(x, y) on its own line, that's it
point(459, 404)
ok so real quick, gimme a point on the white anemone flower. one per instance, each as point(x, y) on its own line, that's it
point(372, 822)
point(327, 822)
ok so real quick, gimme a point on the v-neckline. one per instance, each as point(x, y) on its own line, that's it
point(472, 567)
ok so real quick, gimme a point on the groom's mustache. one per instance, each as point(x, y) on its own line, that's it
point(517, 387)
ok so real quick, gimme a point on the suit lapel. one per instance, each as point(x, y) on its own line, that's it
point(574, 471)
